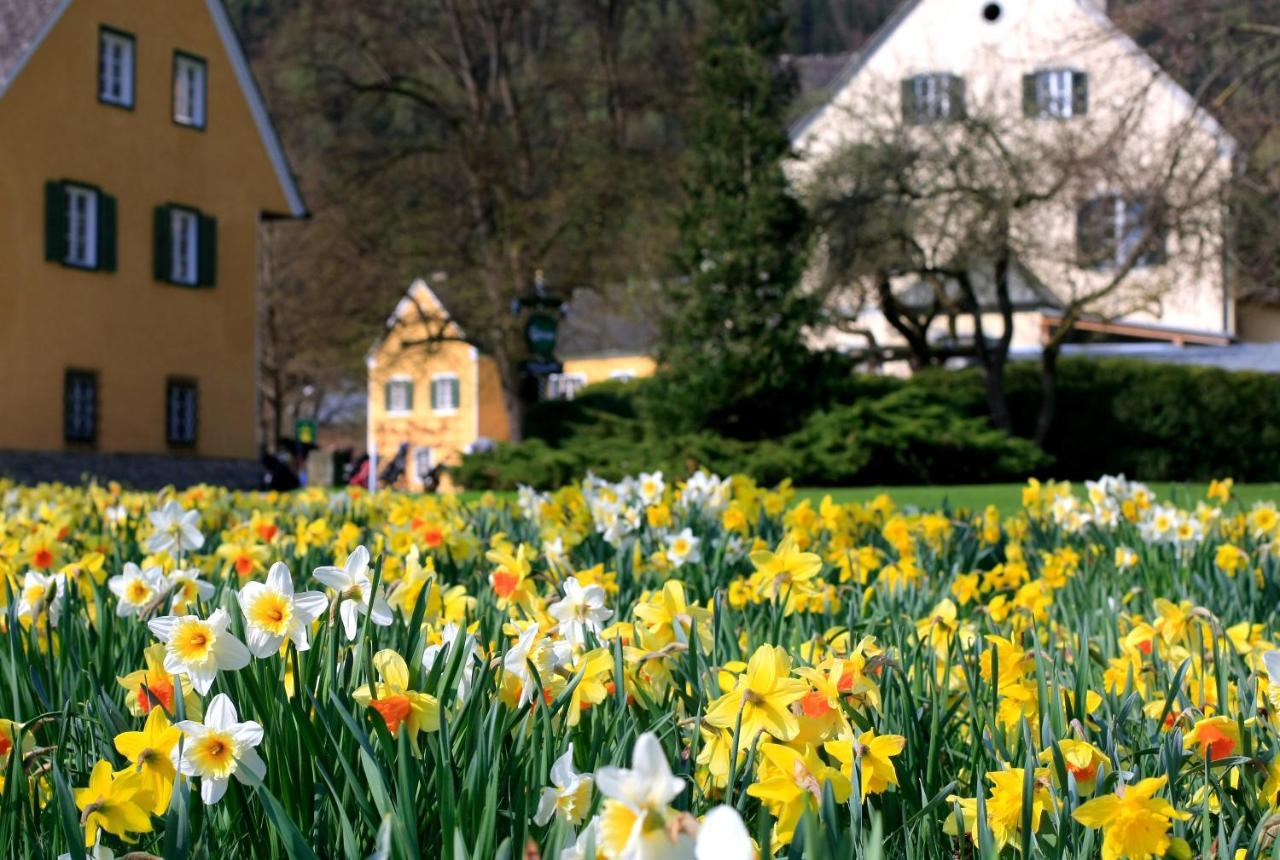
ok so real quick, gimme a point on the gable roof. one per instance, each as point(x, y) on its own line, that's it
point(1100, 17)
point(854, 65)
point(24, 24)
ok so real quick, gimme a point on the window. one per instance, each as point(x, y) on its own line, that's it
point(80, 407)
point(623, 375)
point(180, 417)
point(421, 463)
point(445, 393)
point(399, 396)
point(80, 226)
point(1055, 94)
point(186, 246)
point(1112, 230)
point(565, 386)
point(931, 98)
point(115, 68)
point(184, 241)
point(189, 90)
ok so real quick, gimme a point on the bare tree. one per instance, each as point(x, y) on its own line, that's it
point(952, 219)
point(498, 138)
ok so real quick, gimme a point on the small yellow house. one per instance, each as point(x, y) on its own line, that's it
point(444, 398)
point(137, 161)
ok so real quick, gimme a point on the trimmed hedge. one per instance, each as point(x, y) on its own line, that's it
point(1156, 422)
point(900, 437)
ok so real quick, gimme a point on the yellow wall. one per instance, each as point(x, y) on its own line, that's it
point(481, 410)
point(134, 331)
point(602, 368)
point(446, 434)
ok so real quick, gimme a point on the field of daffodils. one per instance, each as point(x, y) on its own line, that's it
point(648, 669)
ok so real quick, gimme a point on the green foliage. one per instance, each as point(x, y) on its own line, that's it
point(895, 435)
point(732, 336)
point(1151, 421)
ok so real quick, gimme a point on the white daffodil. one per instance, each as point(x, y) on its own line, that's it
point(175, 530)
point(581, 610)
point(448, 641)
point(136, 589)
point(221, 747)
point(355, 591)
point(97, 852)
point(516, 661)
point(636, 819)
point(583, 847)
point(43, 593)
point(648, 784)
point(650, 487)
point(723, 836)
point(569, 795)
point(186, 588)
point(683, 548)
point(199, 648)
point(273, 613)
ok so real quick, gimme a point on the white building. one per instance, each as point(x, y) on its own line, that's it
point(1051, 73)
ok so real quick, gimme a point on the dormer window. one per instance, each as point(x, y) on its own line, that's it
point(190, 89)
point(933, 98)
point(1055, 94)
point(115, 68)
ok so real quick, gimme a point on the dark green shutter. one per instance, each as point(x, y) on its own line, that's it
point(1030, 96)
point(910, 108)
point(55, 222)
point(207, 252)
point(106, 232)
point(163, 250)
point(386, 396)
point(435, 397)
point(457, 389)
point(955, 91)
point(1079, 93)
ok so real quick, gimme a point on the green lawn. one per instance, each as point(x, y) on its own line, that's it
point(1008, 497)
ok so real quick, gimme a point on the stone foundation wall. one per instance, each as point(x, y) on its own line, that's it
point(139, 471)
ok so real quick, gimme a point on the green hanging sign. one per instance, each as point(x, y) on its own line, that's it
point(541, 333)
point(304, 430)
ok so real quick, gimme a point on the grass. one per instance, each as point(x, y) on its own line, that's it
point(1008, 497)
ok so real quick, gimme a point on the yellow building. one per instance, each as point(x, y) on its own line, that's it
point(136, 163)
point(443, 399)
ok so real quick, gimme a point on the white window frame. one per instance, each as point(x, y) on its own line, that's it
point(565, 386)
point(437, 399)
point(116, 58)
point(190, 90)
point(933, 97)
point(1055, 93)
point(398, 390)
point(184, 246)
point(82, 227)
point(1129, 229)
point(419, 474)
